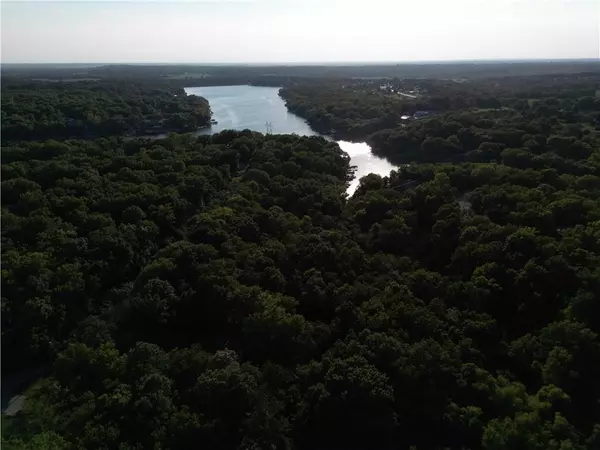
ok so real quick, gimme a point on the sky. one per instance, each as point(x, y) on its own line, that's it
point(297, 31)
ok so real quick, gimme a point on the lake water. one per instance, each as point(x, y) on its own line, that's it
point(251, 107)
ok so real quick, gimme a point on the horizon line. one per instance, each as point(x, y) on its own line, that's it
point(300, 63)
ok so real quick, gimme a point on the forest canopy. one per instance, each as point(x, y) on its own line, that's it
point(223, 292)
point(85, 109)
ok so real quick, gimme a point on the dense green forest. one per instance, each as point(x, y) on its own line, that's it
point(355, 109)
point(223, 292)
point(46, 110)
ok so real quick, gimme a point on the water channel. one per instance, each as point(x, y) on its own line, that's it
point(252, 107)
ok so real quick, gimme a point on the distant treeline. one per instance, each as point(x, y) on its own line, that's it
point(470, 70)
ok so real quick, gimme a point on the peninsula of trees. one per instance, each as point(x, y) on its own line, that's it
point(87, 109)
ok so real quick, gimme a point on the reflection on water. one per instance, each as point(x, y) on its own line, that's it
point(251, 107)
point(365, 162)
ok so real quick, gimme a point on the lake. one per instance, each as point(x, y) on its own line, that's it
point(251, 107)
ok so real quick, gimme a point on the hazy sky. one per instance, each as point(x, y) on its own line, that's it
point(298, 30)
